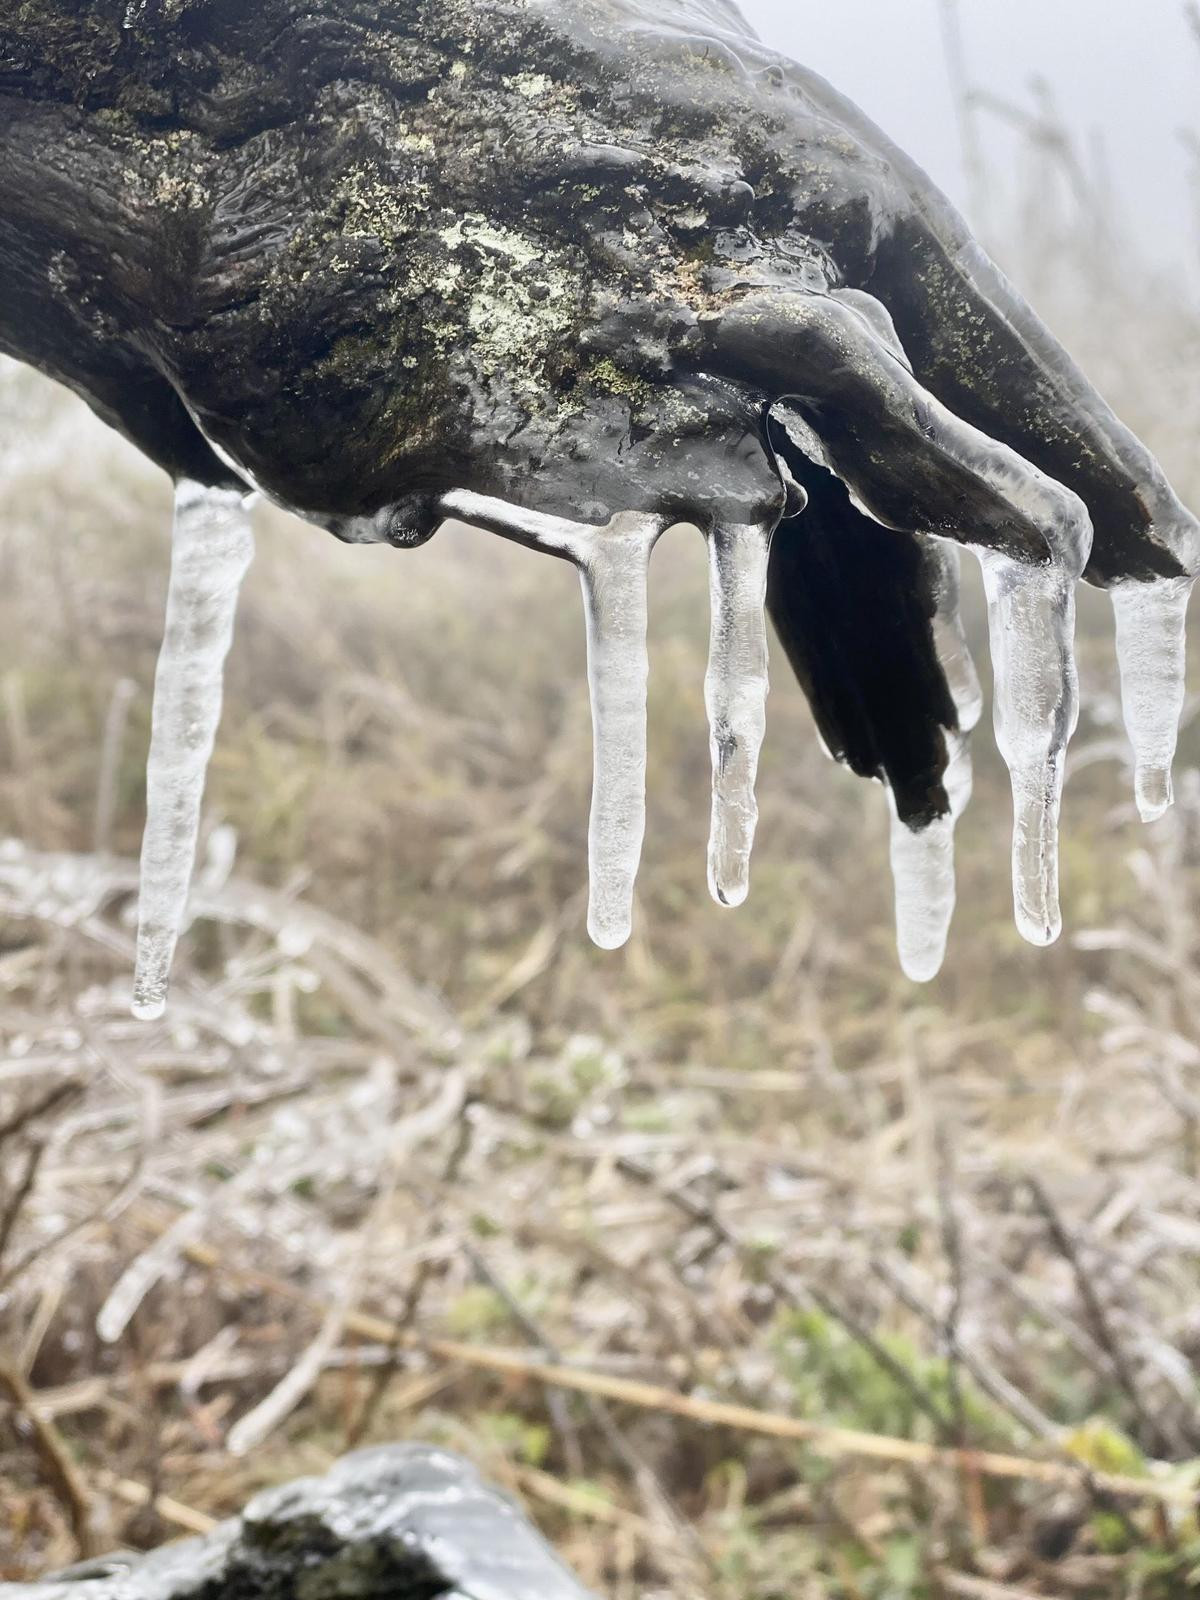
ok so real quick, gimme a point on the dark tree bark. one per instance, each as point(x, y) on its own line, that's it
point(584, 258)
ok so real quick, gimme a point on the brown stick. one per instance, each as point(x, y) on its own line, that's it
point(744, 1419)
point(961, 1584)
point(172, 1511)
point(60, 1471)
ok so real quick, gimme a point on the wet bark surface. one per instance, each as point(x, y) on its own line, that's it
point(578, 257)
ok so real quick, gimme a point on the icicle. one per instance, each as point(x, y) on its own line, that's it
point(1031, 616)
point(923, 874)
point(211, 550)
point(613, 566)
point(613, 563)
point(1152, 650)
point(923, 859)
point(950, 639)
point(735, 692)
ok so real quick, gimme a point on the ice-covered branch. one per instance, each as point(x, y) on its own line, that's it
point(578, 272)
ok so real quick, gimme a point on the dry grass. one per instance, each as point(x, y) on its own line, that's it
point(742, 1160)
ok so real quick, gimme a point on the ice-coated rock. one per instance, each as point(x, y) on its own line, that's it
point(403, 1522)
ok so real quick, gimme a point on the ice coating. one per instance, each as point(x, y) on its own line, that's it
point(687, 294)
point(613, 568)
point(735, 694)
point(613, 561)
point(398, 1520)
point(950, 638)
point(211, 549)
point(923, 859)
point(1152, 653)
point(1031, 622)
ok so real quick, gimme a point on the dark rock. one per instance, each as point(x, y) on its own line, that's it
point(397, 1523)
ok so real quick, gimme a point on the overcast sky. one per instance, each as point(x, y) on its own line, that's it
point(1127, 68)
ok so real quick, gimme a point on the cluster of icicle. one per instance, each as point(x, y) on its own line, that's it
point(1032, 620)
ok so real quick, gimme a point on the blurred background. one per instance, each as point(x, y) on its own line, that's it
point(402, 1115)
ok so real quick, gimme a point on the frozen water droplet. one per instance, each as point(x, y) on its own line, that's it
point(1152, 652)
point(294, 940)
point(735, 693)
point(1031, 618)
point(613, 569)
point(212, 546)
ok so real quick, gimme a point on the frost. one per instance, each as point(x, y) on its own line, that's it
point(1152, 652)
point(212, 546)
point(1031, 618)
point(735, 693)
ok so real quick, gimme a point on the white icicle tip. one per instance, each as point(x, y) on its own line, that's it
point(923, 859)
point(735, 693)
point(212, 546)
point(923, 873)
point(1152, 653)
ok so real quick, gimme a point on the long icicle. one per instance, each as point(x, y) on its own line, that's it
point(1031, 617)
point(613, 569)
point(735, 693)
point(1152, 652)
point(212, 546)
point(923, 859)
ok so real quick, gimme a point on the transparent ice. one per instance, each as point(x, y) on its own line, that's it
point(735, 694)
point(923, 859)
point(1031, 612)
point(211, 548)
point(1152, 653)
point(1031, 623)
point(613, 562)
point(613, 569)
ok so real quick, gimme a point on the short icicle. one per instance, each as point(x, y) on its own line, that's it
point(1152, 652)
point(1031, 617)
point(735, 693)
point(923, 873)
point(212, 547)
point(613, 567)
point(923, 859)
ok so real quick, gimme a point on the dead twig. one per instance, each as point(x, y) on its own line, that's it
point(14, 1200)
point(969, 1588)
point(140, 1497)
point(783, 1292)
point(36, 1109)
point(657, 1501)
point(60, 1471)
point(1102, 1330)
point(825, 1439)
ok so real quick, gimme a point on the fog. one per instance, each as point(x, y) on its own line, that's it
point(1125, 75)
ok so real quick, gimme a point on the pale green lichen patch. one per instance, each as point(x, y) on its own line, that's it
point(517, 297)
point(609, 378)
